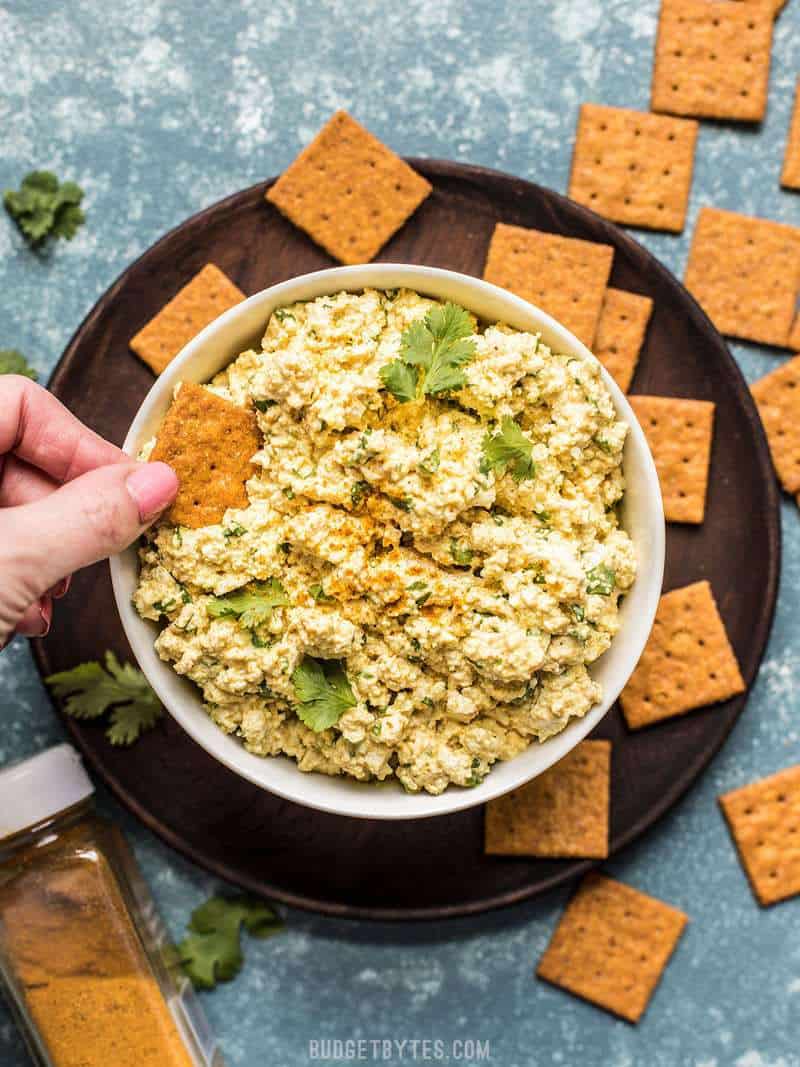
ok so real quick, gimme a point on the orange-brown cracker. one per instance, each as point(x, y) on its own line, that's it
point(712, 59)
point(348, 191)
point(198, 303)
point(564, 812)
point(679, 433)
point(764, 819)
point(687, 663)
point(777, 396)
point(612, 946)
point(745, 272)
point(634, 167)
point(564, 276)
point(209, 442)
point(620, 333)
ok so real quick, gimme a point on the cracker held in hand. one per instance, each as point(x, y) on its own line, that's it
point(634, 167)
point(564, 276)
point(201, 301)
point(679, 434)
point(687, 663)
point(620, 333)
point(612, 946)
point(348, 191)
point(764, 819)
point(777, 396)
point(562, 813)
point(745, 273)
point(712, 59)
point(209, 442)
point(790, 176)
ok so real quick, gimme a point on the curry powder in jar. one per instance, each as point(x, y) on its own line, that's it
point(90, 974)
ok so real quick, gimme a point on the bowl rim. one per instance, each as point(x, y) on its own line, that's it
point(358, 799)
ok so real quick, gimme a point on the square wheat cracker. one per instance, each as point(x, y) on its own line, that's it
point(679, 434)
point(562, 813)
point(210, 443)
point(790, 175)
point(687, 663)
point(634, 167)
point(777, 396)
point(764, 819)
point(198, 303)
point(745, 273)
point(620, 333)
point(348, 191)
point(564, 276)
point(612, 946)
point(712, 59)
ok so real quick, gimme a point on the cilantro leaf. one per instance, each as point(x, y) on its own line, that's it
point(509, 450)
point(600, 580)
point(211, 952)
point(438, 345)
point(323, 693)
point(43, 207)
point(400, 379)
point(89, 690)
point(13, 362)
point(252, 605)
point(416, 344)
point(128, 721)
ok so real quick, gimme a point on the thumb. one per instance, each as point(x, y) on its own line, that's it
point(88, 519)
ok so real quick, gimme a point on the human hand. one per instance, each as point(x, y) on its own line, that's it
point(67, 499)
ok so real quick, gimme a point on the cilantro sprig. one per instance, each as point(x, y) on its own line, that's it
point(89, 690)
point(508, 450)
point(211, 952)
point(43, 207)
point(433, 352)
point(323, 692)
point(252, 606)
point(13, 362)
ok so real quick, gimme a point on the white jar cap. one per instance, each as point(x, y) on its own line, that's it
point(35, 789)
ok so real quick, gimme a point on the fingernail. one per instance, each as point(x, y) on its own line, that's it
point(153, 487)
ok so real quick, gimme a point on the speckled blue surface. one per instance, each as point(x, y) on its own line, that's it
point(158, 109)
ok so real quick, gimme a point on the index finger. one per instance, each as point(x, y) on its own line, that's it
point(39, 430)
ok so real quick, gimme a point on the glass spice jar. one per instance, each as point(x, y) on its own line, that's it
point(88, 968)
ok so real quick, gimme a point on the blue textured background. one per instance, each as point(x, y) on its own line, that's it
point(158, 109)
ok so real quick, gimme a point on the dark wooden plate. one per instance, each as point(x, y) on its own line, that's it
point(431, 867)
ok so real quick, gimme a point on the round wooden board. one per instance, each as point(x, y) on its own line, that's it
point(426, 868)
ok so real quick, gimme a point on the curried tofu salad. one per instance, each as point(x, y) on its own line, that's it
point(428, 554)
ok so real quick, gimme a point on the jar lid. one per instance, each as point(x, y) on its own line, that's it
point(35, 789)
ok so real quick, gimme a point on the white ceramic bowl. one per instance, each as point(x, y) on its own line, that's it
point(642, 516)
